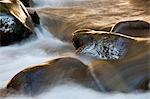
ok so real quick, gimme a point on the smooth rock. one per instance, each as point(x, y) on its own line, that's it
point(35, 80)
point(100, 44)
point(91, 14)
point(128, 74)
point(135, 28)
point(35, 17)
point(124, 74)
point(27, 3)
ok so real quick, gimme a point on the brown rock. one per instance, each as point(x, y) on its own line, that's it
point(104, 45)
point(27, 3)
point(35, 79)
point(129, 73)
point(34, 16)
point(91, 14)
point(135, 28)
point(125, 75)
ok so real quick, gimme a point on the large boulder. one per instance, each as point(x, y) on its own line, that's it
point(100, 44)
point(124, 75)
point(120, 62)
point(105, 45)
point(16, 22)
point(12, 30)
point(128, 74)
point(36, 79)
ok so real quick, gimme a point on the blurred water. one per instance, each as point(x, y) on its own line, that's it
point(73, 91)
point(54, 3)
point(16, 57)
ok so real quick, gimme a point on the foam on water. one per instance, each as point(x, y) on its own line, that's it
point(73, 91)
point(16, 57)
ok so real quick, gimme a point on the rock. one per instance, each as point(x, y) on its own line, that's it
point(27, 3)
point(128, 74)
point(18, 10)
point(120, 62)
point(12, 30)
point(135, 28)
point(63, 21)
point(15, 22)
point(35, 80)
point(34, 16)
point(5, 93)
point(100, 44)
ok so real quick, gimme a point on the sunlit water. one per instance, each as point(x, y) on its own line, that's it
point(16, 57)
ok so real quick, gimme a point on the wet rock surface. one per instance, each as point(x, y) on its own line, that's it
point(27, 3)
point(34, 16)
point(135, 28)
point(123, 60)
point(16, 23)
point(11, 30)
point(133, 74)
point(126, 71)
point(36, 79)
point(62, 22)
point(127, 74)
point(100, 45)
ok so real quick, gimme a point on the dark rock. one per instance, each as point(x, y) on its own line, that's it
point(59, 71)
point(145, 85)
point(27, 3)
point(100, 45)
point(120, 62)
point(5, 92)
point(12, 30)
point(128, 74)
point(34, 16)
point(79, 41)
point(135, 28)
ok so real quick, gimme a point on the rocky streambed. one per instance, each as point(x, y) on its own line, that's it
point(99, 44)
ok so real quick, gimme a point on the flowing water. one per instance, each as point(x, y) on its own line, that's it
point(17, 57)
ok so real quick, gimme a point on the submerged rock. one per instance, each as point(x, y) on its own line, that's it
point(135, 28)
point(12, 30)
point(35, 79)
